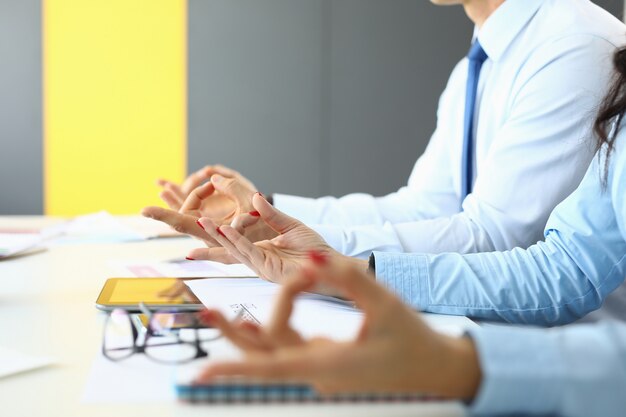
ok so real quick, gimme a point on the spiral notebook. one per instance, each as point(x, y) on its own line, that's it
point(242, 391)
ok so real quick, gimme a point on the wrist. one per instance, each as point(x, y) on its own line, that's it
point(461, 374)
point(356, 263)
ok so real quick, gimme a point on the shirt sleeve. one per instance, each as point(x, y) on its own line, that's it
point(538, 157)
point(577, 371)
point(542, 285)
point(616, 181)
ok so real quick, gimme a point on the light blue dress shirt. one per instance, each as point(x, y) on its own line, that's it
point(581, 262)
point(576, 371)
point(549, 62)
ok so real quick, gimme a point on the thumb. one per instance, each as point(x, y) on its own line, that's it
point(274, 218)
point(342, 274)
point(230, 187)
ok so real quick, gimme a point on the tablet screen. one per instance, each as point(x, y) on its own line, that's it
point(129, 292)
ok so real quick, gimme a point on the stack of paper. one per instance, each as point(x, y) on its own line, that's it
point(14, 244)
point(103, 227)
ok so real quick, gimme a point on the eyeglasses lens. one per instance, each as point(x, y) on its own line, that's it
point(118, 336)
point(165, 344)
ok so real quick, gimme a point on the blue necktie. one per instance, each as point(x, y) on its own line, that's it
point(477, 57)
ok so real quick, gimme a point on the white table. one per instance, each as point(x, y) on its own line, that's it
point(47, 309)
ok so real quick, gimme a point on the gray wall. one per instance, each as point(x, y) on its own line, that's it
point(21, 178)
point(255, 79)
point(390, 62)
point(319, 96)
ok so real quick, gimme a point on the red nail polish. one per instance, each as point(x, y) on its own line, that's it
point(255, 214)
point(199, 224)
point(318, 258)
point(206, 317)
point(220, 232)
point(189, 259)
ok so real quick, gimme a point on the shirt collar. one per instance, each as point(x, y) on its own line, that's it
point(506, 22)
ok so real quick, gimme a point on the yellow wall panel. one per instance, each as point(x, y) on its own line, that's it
point(114, 102)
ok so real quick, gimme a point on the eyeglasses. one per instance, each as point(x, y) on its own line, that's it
point(169, 337)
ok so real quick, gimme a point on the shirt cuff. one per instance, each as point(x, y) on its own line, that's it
point(302, 208)
point(519, 371)
point(332, 235)
point(405, 274)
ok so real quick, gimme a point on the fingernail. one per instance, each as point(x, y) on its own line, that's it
point(199, 224)
point(261, 194)
point(255, 214)
point(318, 258)
point(206, 317)
point(216, 178)
point(220, 232)
point(189, 259)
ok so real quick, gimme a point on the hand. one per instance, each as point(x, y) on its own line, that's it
point(395, 351)
point(275, 259)
point(203, 200)
point(185, 220)
point(174, 195)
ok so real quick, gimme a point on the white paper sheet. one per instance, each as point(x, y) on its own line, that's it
point(147, 228)
point(13, 362)
point(138, 379)
point(178, 269)
point(133, 380)
point(103, 227)
point(12, 244)
point(314, 315)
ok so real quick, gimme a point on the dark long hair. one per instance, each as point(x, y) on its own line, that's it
point(612, 109)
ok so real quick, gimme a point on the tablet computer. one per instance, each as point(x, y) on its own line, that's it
point(155, 293)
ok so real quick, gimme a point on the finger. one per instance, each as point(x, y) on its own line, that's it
point(244, 340)
point(174, 188)
point(171, 199)
point(241, 222)
point(196, 178)
point(163, 183)
point(224, 171)
point(219, 236)
point(233, 189)
point(354, 282)
point(182, 223)
point(283, 306)
point(194, 200)
point(277, 220)
point(218, 254)
point(257, 339)
point(243, 245)
point(231, 173)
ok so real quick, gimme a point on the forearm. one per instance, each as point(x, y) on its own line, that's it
point(357, 209)
point(459, 375)
point(457, 233)
point(350, 210)
point(573, 371)
point(542, 285)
